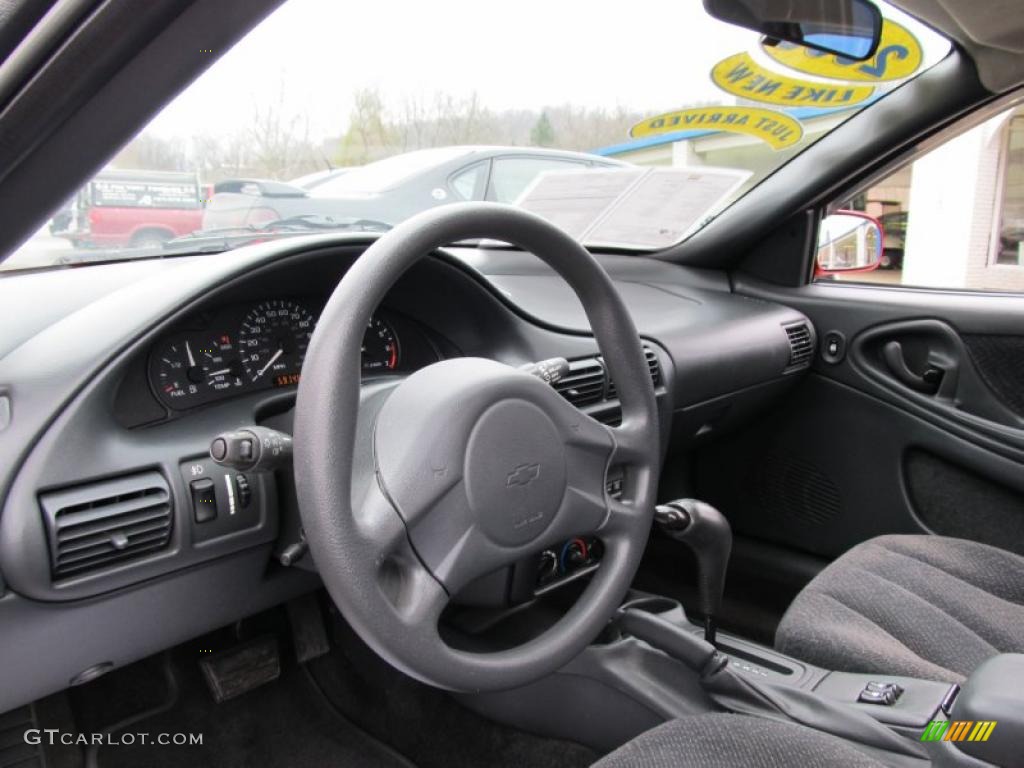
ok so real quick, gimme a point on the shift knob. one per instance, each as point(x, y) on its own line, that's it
point(705, 532)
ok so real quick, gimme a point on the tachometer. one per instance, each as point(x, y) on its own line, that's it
point(273, 342)
point(380, 347)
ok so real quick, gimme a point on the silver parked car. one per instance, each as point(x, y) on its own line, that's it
point(397, 187)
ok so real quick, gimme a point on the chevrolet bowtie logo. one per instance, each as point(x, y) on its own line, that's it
point(523, 475)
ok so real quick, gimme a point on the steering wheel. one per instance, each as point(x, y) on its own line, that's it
point(410, 491)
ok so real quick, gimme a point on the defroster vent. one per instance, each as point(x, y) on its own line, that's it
point(102, 524)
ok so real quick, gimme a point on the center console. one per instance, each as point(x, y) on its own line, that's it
point(991, 708)
point(907, 705)
point(622, 685)
point(654, 663)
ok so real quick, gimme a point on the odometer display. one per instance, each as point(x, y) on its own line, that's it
point(273, 341)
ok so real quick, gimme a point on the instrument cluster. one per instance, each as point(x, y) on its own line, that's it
point(255, 346)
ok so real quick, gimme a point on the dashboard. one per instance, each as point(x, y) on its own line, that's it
point(260, 345)
point(114, 379)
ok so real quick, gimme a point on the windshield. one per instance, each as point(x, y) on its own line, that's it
point(629, 132)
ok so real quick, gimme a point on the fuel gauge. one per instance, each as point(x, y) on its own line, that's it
point(190, 370)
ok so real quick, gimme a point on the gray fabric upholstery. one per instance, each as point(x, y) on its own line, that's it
point(727, 741)
point(923, 606)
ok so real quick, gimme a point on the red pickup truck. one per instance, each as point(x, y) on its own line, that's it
point(121, 208)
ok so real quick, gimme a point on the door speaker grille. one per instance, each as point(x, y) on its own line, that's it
point(792, 488)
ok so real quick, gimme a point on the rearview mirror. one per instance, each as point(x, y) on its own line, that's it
point(849, 28)
point(848, 241)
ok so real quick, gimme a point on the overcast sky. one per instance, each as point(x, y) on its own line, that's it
point(527, 54)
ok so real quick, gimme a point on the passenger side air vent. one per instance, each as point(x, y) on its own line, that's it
point(653, 366)
point(101, 524)
point(585, 383)
point(801, 345)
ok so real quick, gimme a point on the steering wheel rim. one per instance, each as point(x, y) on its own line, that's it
point(473, 463)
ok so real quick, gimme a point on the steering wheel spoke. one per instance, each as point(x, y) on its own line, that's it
point(632, 445)
point(398, 574)
point(378, 526)
point(416, 597)
point(622, 518)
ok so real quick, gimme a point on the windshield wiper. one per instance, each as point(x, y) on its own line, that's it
point(226, 238)
point(316, 222)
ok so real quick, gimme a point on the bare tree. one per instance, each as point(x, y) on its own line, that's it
point(276, 142)
point(280, 145)
point(152, 153)
point(368, 137)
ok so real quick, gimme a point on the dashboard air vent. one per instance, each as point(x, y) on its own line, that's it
point(101, 524)
point(801, 345)
point(653, 366)
point(585, 383)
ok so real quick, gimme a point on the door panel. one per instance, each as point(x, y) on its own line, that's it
point(1000, 361)
point(954, 500)
point(915, 424)
point(927, 363)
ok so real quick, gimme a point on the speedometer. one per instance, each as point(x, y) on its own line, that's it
point(273, 342)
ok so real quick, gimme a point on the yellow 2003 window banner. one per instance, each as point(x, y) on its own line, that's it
point(741, 76)
point(777, 129)
point(898, 56)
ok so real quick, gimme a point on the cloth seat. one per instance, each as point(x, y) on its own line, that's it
point(728, 741)
point(923, 606)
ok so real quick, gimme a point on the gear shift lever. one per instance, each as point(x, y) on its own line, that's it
point(706, 532)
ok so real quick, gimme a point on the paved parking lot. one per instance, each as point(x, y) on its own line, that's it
point(41, 250)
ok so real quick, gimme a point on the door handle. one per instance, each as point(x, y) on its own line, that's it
point(927, 382)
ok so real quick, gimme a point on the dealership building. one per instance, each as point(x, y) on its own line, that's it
point(956, 214)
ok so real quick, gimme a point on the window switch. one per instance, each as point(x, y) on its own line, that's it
point(885, 694)
point(204, 499)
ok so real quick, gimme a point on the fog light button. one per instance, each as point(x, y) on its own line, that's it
point(204, 500)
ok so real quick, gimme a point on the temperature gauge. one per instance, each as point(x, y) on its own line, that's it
point(191, 370)
point(219, 363)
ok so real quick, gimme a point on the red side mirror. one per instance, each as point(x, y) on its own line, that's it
point(848, 241)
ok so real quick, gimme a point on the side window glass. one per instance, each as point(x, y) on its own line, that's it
point(954, 217)
point(1009, 249)
point(468, 183)
point(512, 175)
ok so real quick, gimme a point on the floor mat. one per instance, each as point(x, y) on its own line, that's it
point(426, 724)
point(283, 724)
point(348, 709)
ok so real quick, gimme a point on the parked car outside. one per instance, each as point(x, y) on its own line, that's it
point(120, 208)
point(397, 187)
point(1011, 235)
point(894, 227)
point(316, 178)
point(249, 203)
